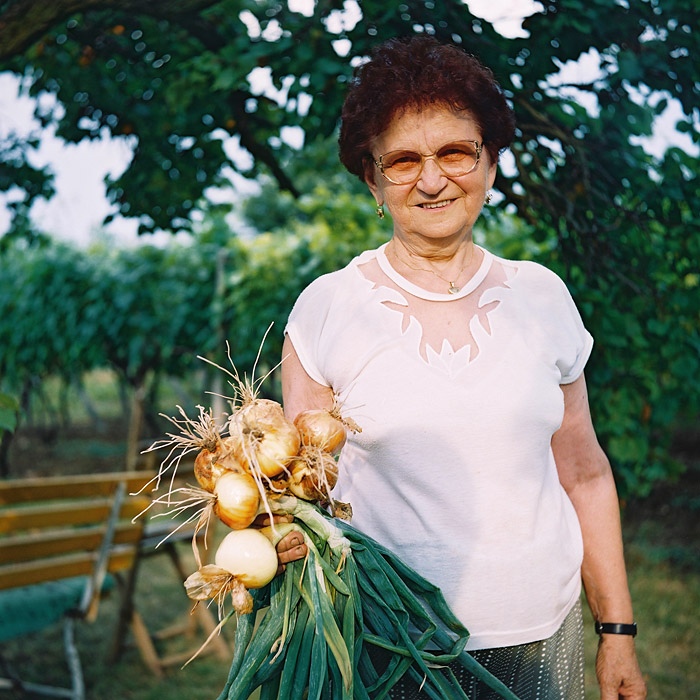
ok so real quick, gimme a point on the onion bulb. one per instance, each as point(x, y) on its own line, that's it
point(237, 499)
point(249, 556)
point(263, 438)
point(320, 428)
point(313, 474)
point(209, 465)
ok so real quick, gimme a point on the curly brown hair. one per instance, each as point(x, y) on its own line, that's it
point(414, 73)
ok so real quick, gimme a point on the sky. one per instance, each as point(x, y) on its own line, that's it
point(75, 213)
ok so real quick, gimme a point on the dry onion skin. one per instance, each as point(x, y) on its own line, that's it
point(318, 427)
point(263, 438)
point(212, 581)
point(313, 474)
point(209, 465)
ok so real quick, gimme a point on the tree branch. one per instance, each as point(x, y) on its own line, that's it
point(26, 21)
point(263, 154)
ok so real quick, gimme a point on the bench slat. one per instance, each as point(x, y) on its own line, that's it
point(64, 487)
point(67, 566)
point(60, 514)
point(21, 548)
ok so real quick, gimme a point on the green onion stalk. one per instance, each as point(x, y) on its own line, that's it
point(320, 621)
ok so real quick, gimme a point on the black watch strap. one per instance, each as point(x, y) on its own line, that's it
point(616, 628)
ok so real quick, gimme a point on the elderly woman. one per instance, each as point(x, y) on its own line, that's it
point(477, 462)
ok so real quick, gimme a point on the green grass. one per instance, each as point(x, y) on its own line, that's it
point(666, 600)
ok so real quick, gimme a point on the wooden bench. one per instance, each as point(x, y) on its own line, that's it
point(161, 537)
point(62, 539)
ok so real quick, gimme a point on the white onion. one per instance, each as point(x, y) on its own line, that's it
point(249, 556)
point(237, 499)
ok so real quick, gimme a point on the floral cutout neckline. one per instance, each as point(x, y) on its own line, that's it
point(457, 346)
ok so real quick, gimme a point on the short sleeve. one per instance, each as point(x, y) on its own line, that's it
point(574, 342)
point(305, 327)
point(555, 329)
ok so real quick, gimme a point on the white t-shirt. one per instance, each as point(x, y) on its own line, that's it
point(453, 469)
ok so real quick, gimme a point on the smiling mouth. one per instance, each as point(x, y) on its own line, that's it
point(436, 205)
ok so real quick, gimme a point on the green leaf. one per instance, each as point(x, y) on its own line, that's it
point(9, 407)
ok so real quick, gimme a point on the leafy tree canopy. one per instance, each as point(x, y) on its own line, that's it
point(174, 77)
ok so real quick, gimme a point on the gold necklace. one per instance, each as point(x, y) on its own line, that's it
point(453, 288)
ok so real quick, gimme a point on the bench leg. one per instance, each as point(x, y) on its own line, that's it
point(145, 646)
point(203, 614)
point(77, 692)
point(11, 681)
point(73, 659)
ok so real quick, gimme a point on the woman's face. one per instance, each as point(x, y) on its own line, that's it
point(437, 207)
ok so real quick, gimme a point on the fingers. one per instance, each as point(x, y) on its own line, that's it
point(618, 671)
point(291, 548)
point(263, 520)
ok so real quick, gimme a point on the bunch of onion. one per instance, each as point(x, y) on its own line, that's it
point(257, 456)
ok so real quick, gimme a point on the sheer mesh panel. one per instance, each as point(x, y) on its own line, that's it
point(441, 337)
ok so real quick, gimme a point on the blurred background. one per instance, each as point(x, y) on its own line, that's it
point(169, 182)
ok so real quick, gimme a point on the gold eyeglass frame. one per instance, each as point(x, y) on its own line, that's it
point(424, 157)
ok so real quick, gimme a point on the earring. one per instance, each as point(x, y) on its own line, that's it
point(489, 197)
point(380, 211)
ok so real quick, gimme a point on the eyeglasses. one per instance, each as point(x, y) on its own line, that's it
point(454, 159)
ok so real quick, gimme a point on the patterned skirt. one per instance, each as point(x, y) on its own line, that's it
point(551, 669)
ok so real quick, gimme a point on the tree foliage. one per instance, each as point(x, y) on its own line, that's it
point(174, 78)
point(583, 196)
point(9, 407)
point(148, 312)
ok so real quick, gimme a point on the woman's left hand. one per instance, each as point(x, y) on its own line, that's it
point(617, 669)
point(291, 547)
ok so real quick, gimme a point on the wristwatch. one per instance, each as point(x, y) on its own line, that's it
point(616, 628)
